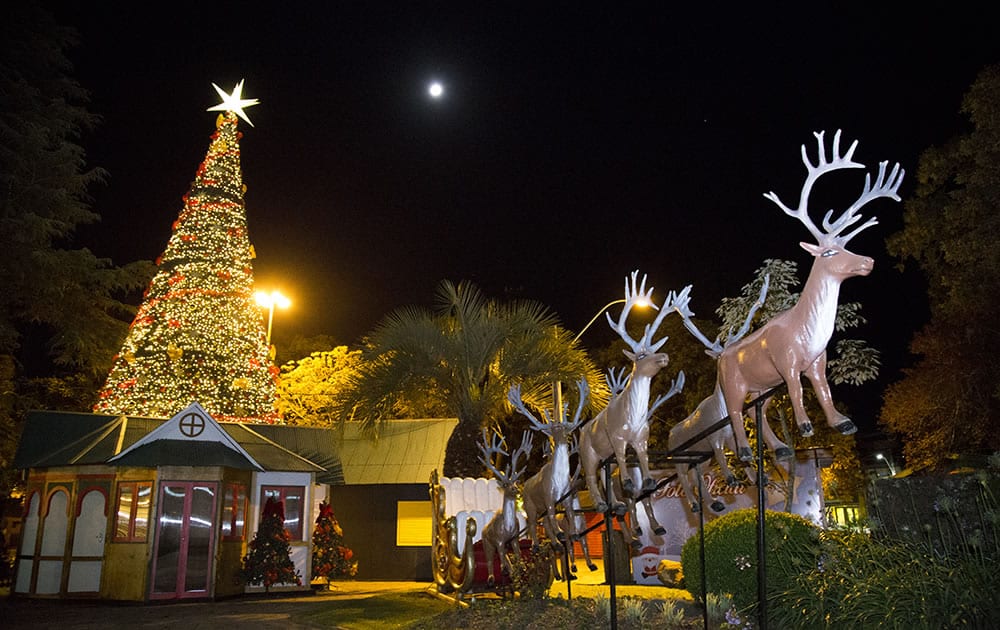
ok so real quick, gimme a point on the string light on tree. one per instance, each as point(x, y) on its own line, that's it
point(199, 335)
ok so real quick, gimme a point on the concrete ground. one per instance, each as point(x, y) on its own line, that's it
point(258, 612)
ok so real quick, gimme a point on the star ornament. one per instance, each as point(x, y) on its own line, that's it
point(233, 102)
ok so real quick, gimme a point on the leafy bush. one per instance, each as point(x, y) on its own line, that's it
point(531, 577)
point(939, 575)
point(731, 554)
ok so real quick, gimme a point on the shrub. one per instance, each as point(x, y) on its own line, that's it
point(941, 577)
point(531, 577)
point(731, 554)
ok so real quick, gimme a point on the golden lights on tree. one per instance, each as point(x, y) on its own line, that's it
point(199, 334)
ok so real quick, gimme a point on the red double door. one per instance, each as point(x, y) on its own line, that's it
point(185, 540)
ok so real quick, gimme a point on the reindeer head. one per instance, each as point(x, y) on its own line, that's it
point(830, 248)
point(646, 358)
point(559, 431)
point(492, 449)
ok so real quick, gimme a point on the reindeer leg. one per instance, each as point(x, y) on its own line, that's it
point(778, 448)
point(641, 454)
point(816, 373)
point(793, 382)
point(658, 529)
point(684, 475)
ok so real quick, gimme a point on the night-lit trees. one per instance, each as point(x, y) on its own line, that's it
point(949, 402)
point(61, 314)
point(199, 336)
point(309, 386)
point(460, 361)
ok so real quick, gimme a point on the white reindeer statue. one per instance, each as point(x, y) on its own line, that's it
point(545, 489)
point(625, 421)
point(709, 411)
point(503, 528)
point(794, 342)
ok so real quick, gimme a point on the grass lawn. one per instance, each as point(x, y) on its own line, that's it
point(392, 610)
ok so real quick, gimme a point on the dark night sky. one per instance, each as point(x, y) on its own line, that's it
point(572, 146)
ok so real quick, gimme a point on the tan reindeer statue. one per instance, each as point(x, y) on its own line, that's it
point(545, 489)
point(794, 342)
point(625, 421)
point(709, 411)
point(503, 528)
point(572, 521)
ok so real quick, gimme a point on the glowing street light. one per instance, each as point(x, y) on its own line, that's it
point(269, 301)
point(557, 389)
point(888, 462)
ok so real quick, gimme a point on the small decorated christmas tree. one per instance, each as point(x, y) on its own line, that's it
point(268, 561)
point(331, 559)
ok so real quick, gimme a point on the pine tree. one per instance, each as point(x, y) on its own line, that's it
point(268, 561)
point(331, 559)
point(198, 335)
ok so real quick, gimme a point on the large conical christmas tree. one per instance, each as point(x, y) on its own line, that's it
point(199, 335)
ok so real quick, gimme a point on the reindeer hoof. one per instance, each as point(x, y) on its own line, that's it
point(620, 509)
point(561, 536)
point(730, 480)
point(628, 486)
point(648, 485)
point(636, 545)
point(718, 506)
point(659, 531)
point(591, 566)
point(806, 429)
point(846, 428)
point(601, 507)
point(745, 454)
point(695, 508)
point(491, 581)
point(783, 454)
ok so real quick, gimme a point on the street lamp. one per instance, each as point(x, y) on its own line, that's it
point(557, 390)
point(888, 462)
point(269, 301)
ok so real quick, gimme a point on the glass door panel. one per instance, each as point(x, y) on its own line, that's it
point(185, 537)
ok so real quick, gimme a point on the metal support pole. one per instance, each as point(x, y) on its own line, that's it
point(567, 544)
point(610, 560)
point(701, 533)
point(761, 503)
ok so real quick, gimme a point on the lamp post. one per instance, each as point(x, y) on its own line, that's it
point(269, 301)
point(888, 462)
point(557, 389)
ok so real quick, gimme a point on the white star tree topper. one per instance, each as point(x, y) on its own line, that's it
point(234, 102)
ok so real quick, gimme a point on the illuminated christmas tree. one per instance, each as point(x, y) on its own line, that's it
point(199, 336)
point(268, 559)
point(331, 559)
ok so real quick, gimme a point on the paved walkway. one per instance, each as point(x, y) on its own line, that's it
point(258, 612)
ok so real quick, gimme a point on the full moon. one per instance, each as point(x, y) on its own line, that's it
point(436, 90)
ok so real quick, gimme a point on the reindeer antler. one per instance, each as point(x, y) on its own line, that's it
point(495, 446)
point(882, 188)
point(635, 296)
point(617, 381)
point(675, 387)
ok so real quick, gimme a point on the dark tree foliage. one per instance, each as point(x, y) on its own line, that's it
point(949, 401)
point(61, 316)
point(268, 559)
point(461, 360)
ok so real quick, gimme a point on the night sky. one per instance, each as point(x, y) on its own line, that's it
point(572, 144)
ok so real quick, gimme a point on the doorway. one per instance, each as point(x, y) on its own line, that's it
point(185, 540)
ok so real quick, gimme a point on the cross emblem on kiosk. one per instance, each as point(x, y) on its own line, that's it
point(192, 424)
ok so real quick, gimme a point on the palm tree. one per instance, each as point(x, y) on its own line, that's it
point(460, 361)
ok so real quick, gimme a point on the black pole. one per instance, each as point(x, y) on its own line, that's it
point(567, 545)
point(701, 533)
point(610, 560)
point(761, 563)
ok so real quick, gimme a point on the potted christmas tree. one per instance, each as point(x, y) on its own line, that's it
point(331, 559)
point(268, 560)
